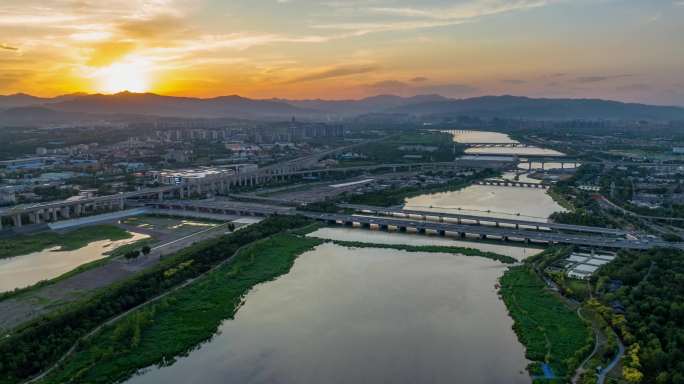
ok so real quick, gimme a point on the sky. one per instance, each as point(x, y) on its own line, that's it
point(629, 50)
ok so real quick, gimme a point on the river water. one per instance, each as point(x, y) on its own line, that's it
point(23, 271)
point(362, 315)
point(369, 315)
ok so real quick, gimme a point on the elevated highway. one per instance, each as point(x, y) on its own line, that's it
point(486, 232)
point(480, 220)
point(586, 236)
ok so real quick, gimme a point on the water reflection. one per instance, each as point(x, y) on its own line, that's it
point(505, 202)
point(360, 315)
point(23, 271)
point(379, 237)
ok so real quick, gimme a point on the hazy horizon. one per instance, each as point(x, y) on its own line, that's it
point(361, 98)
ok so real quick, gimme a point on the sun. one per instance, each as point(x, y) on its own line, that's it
point(130, 75)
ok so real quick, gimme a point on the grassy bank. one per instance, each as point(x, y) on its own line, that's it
point(21, 245)
point(431, 248)
point(560, 199)
point(551, 332)
point(172, 327)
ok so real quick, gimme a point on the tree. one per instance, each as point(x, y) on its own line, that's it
point(130, 255)
point(146, 250)
point(231, 227)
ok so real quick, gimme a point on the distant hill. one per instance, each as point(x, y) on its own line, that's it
point(363, 106)
point(149, 104)
point(40, 115)
point(23, 100)
point(555, 109)
point(152, 104)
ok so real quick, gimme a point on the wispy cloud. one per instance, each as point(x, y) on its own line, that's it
point(401, 88)
point(598, 79)
point(334, 72)
point(412, 17)
point(8, 47)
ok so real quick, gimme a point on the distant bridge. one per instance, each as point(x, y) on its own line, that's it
point(511, 183)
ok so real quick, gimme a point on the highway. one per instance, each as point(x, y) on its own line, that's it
point(497, 232)
point(385, 211)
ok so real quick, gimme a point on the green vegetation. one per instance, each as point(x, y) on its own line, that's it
point(582, 207)
point(38, 344)
point(431, 248)
point(172, 327)
point(649, 289)
point(388, 198)
point(551, 332)
point(21, 245)
point(417, 146)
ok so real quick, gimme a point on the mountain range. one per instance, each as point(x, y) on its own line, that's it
point(22, 108)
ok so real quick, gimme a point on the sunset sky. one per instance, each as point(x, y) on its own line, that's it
point(629, 50)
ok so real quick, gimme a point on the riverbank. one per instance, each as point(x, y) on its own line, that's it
point(552, 333)
point(22, 245)
point(46, 339)
point(172, 327)
point(431, 249)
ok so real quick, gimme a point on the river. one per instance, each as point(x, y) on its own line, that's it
point(367, 315)
point(363, 315)
point(26, 270)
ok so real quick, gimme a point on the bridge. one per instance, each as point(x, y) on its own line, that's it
point(536, 231)
point(20, 215)
point(480, 220)
point(497, 145)
point(511, 183)
point(487, 232)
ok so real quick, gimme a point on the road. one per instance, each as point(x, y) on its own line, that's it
point(547, 237)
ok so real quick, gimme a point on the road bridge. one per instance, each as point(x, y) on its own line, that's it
point(589, 236)
point(512, 183)
point(497, 145)
point(480, 220)
point(20, 215)
point(487, 232)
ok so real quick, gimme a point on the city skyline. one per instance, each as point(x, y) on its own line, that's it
point(621, 50)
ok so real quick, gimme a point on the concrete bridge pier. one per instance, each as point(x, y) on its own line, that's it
point(16, 220)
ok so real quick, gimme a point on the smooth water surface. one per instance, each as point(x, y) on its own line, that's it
point(492, 201)
point(23, 271)
point(363, 315)
point(381, 237)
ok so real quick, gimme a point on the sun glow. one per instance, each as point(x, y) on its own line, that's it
point(130, 75)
